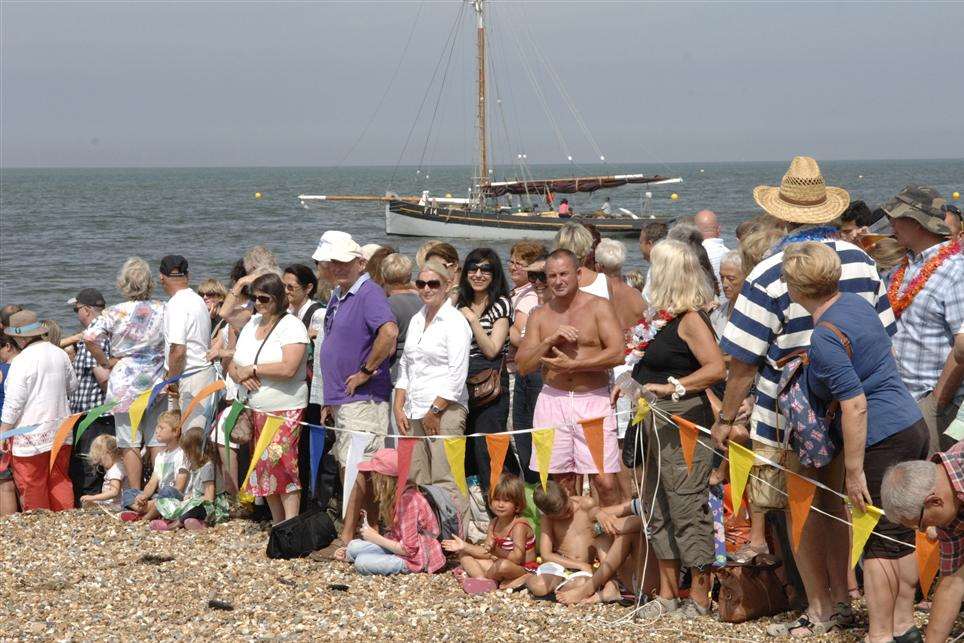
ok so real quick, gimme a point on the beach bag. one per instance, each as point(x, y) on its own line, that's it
point(485, 386)
point(751, 591)
point(446, 513)
point(810, 434)
point(299, 536)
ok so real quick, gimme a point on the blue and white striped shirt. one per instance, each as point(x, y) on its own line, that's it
point(766, 325)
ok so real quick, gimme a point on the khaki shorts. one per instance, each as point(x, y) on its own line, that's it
point(368, 416)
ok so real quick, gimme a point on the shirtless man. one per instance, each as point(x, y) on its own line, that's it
point(576, 339)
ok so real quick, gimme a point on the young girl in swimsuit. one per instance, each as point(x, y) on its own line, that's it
point(508, 553)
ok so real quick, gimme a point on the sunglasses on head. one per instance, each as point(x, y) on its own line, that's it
point(487, 268)
point(262, 299)
point(431, 284)
point(536, 276)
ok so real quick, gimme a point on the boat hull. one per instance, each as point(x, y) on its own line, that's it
point(414, 220)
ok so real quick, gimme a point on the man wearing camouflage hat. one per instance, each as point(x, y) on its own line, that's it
point(927, 297)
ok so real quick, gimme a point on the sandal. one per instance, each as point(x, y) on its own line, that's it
point(747, 553)
point(844, 615)
point(810, 628)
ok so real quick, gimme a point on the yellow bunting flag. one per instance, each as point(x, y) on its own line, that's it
point(593, 430)
point(863, 523)
point(214, 386)
point(455, 454)
point(800, 494)
point(542, 444)
point(497, 445)
point(642, 410)
point(136, 411)
point(687, 439)
point(268, 431)
point(928, 560)
point(61, 436)
point(741, 459)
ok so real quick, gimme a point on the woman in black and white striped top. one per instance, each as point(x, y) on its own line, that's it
point(484, 300)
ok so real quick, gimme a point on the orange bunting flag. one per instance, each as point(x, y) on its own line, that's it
point(800, 493)
point(741, 459)
point(61, 436)
point(928, 560)
point(213, 387)
point(497, 445)
point(542, 444)
point(404, 453)
point(687, 439)
point(455, 454)
point(863, 524)
point(593, 430)
point(268, 431)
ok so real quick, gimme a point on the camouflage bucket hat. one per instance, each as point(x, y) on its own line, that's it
point(921, 203)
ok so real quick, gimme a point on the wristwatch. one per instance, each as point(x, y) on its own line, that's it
point(723, 420)
point(364, 369)
point(436, 410)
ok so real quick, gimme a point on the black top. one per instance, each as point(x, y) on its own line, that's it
point(667, 355)
point(501, 309)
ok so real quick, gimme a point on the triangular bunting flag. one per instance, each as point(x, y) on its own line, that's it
point(687, 439)
point(542, 444)
point(316, 449)
point(498, 446)
point(356, 452)
point(593, 430)
point(404, 448)
point(92, 415)
point(268, 431)
point(863, 523)
point(741, 459)
point(800, 493)
point(214, 386)
point(928, 560)
point(20, 430)
point(136, 412)
point(61, 436)
point(455, 454)
point(642, 410)
point(232, 418)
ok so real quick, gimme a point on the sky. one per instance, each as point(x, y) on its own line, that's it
point(350, 83)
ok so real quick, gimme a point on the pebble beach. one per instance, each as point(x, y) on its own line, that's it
point(84, 575)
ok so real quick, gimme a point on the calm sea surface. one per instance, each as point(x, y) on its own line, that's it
point(65, 229)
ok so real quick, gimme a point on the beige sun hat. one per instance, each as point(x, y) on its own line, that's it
point(803, 196)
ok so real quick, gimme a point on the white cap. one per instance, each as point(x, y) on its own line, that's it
point(343, 250)
point(369, 249)
point(323, 251)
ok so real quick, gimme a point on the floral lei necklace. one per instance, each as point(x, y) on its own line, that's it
point(642, 334)
point(900, 301)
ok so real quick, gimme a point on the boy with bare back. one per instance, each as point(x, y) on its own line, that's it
point(576, 339)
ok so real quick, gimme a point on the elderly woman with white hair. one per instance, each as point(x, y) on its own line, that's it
point(135, 329)
point(610, 256)
point(731, 282)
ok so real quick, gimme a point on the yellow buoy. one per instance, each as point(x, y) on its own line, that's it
point(448, 196)
point(257, 195)
point(956, 195)
point(673, 196)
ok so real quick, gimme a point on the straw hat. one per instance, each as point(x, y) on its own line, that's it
point(24, 324)
point(802, 197)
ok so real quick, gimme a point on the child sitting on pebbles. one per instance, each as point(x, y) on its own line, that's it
point(168, 479)
point(202, 503)
point(411, 544)
point(105, 453)
point(508, 553)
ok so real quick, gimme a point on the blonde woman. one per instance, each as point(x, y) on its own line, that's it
point(680, 362)
point(135, 329)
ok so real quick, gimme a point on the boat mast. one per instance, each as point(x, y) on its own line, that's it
point(480, 60)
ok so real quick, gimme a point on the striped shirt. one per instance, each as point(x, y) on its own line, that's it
point(501, 309)
point(766, 325)
point(926, 329)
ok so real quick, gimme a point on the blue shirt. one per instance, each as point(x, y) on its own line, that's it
point(4, 368)
point(833, 375)
point(766, 325)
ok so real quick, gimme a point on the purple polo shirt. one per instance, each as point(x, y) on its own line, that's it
point(351, 324)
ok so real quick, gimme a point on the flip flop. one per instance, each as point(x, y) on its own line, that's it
point(475, 586)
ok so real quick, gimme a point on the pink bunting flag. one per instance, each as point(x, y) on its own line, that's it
point(404, 448)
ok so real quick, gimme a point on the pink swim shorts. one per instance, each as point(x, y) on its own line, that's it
point(562, 411)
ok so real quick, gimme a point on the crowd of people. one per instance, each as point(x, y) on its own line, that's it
point(831, 341)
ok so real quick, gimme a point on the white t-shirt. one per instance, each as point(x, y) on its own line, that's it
point(166, 466)
point(715, 250)
point(187, 322)
point(274, 394)
point(116, 472)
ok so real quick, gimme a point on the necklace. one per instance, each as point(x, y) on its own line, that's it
point(642, 334)
point(900, 301)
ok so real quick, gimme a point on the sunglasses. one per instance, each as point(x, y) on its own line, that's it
point(487, 268)
point(211, 294)
point(432, 284)
point(77, 309)
point(536, 276)
point(262, 299)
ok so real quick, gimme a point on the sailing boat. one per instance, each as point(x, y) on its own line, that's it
point(480, 215)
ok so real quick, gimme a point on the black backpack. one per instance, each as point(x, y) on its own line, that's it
point(299, 536)
point(446, 513)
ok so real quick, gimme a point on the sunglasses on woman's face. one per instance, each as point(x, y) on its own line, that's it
point(210, 295)
point(432, 284)
point(484, 267)
point(262, 299)
point(536, 276)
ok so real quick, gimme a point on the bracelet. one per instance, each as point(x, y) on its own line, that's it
point(680, 389)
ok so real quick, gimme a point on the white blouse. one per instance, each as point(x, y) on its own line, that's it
point(435, 362)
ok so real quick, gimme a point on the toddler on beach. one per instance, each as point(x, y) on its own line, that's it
point(202, 503)
point(168, 479)
point(105, 453)
point(508, 553)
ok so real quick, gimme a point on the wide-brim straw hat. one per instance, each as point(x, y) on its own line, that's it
point(803, 196)
point(24, 324)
